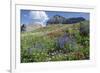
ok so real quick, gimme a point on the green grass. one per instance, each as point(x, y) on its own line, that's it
point(41, 45)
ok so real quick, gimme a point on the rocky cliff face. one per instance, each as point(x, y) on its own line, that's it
point(57, 19)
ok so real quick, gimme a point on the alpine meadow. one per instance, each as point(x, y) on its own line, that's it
point(54, 36)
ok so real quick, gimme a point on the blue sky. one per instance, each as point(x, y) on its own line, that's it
point(26, 19)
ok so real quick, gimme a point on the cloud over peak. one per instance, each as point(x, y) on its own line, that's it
point(39, 17)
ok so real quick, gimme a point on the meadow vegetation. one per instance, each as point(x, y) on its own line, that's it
point(56, 42)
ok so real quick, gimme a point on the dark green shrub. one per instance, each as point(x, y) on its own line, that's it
point(84, 28)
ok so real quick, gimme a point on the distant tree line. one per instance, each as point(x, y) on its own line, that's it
point(57, 19)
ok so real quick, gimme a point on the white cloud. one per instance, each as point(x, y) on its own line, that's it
point(39, 17)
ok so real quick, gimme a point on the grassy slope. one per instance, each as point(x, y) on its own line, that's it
point(40, 45)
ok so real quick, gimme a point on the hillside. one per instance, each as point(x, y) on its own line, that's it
point(56, 42)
